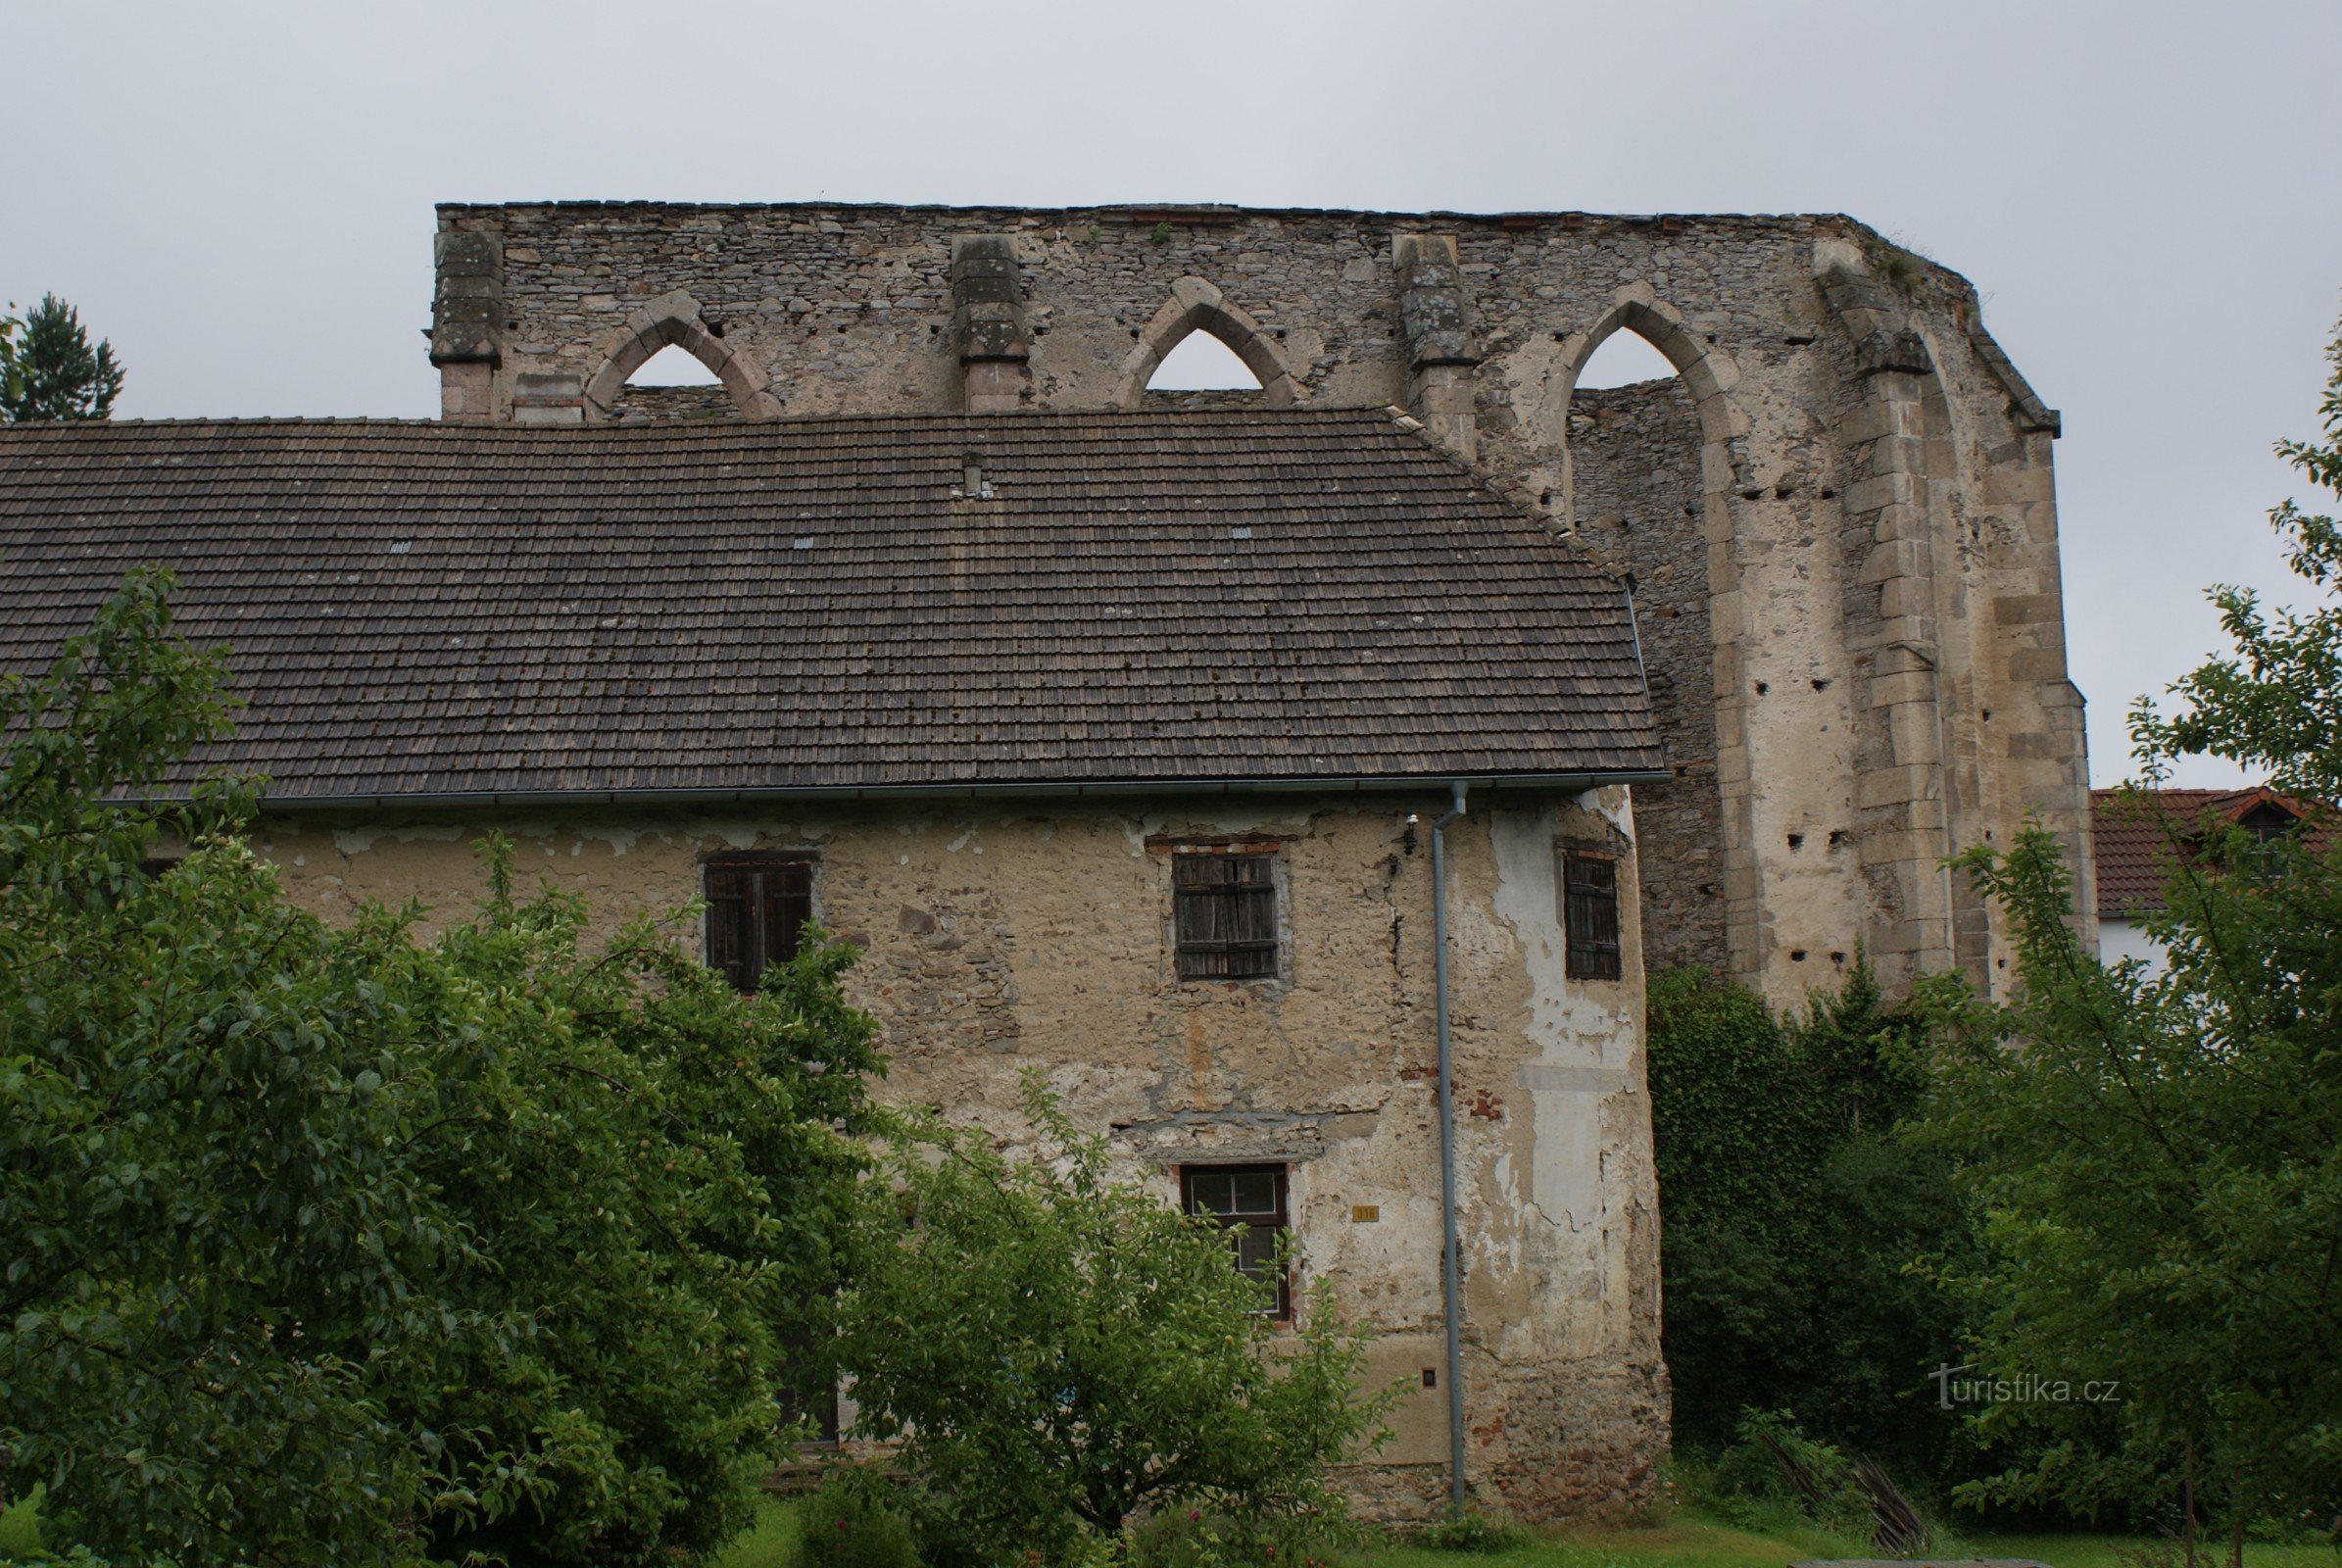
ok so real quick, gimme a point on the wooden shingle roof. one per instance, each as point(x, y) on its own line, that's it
point(1227, 597)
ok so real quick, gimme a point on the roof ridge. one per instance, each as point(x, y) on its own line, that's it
point(1792, 219)
point(92, 427)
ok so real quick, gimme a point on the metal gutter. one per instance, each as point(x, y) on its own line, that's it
point(1448, 1272)
point(1332, 785)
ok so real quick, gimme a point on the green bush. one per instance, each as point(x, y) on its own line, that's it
point(347, 1245)
point(1750, 1482)
point(855, 1520)
point(1060, 1353)
point(1475, 1530)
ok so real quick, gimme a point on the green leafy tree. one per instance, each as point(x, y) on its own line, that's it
point(338, 1246)
point(2158, 1161)
point(49, 372)
point(2158, 1156)
point(2274, 705)
point(1057, 1350)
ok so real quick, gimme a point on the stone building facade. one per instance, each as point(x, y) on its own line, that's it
point(1838, 518)
point(1036, 935)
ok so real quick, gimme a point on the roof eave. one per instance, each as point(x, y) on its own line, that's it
point(438, 799)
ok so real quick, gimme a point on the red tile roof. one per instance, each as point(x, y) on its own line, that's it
point(2132, 843)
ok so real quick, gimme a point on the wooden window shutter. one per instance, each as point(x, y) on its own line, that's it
point(1224, 912)
point(1589, 915)
point(757, 909)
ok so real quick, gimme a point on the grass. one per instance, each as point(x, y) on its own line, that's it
point(1688, 1537)
point(2079, 1550)
point(769, 1543)
point(1691, 1539)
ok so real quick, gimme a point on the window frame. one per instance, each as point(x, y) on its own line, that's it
point(800, 866)
point(1277, 1223)
point(1588, 953)
point(1264, 864)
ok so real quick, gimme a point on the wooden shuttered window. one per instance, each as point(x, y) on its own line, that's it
point(757, 905)
point(1248, 1204)
point(1225, 910)
point(1589, 914)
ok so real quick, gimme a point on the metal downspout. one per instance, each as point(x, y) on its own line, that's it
point(1455, 1363)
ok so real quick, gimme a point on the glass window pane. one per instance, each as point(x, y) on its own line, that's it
point(1254, 1192)
point(1212, 1192)
point(1256, 1248)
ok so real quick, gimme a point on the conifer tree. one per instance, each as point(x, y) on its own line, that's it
point(49, 372)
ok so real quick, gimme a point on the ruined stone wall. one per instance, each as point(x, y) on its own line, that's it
point(1875, 517)
point(1637, 451)
point(1030, 934)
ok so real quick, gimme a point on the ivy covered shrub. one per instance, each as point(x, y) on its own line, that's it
point(1475, 1531)
point(1795, 1214)
point(1771, 1473)
point(855, 1519)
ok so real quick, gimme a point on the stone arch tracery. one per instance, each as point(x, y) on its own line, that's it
point(1195, 306)
point(1711, 377)
point(1708, 373)
point(674, 319)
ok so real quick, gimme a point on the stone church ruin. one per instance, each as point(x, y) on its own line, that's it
point(1837, 518)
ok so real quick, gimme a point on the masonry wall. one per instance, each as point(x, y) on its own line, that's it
point(1873, 549)
point(1023, 935)
point(1637, 451)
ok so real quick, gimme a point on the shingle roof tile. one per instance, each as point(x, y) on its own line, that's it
point(438, 608)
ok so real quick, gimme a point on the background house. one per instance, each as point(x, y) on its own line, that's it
point(2138, 840)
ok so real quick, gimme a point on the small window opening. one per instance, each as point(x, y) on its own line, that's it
point(802, 1394)
point(758, 909)
point(2266, 821)
point(1224, 913)
point(1202, 363)
point(1589, 914)
point(673, 365)
point(1248, 1204)
point(1623, 358)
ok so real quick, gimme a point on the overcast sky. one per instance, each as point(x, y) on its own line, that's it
point(2148, 194)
